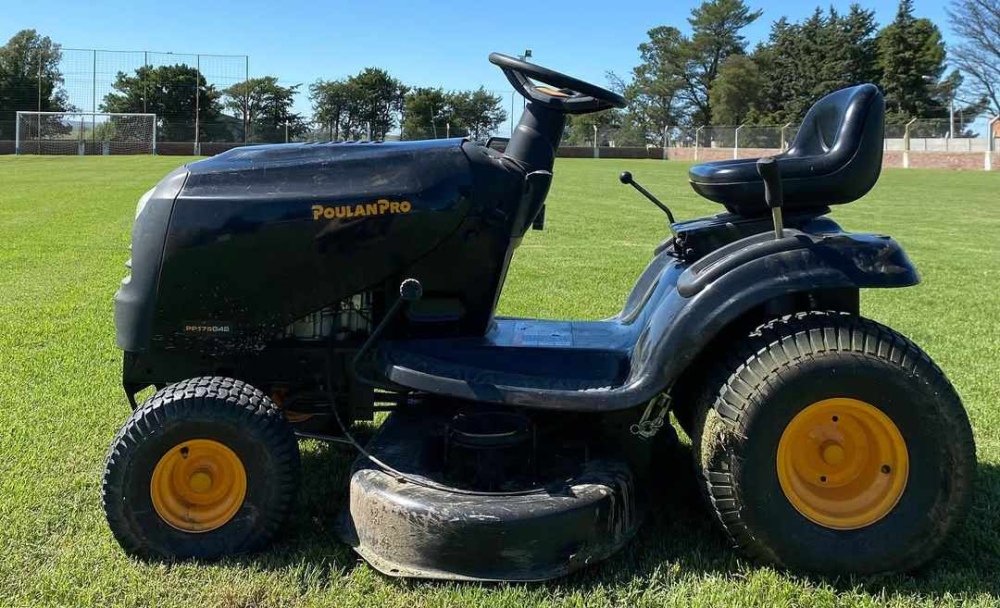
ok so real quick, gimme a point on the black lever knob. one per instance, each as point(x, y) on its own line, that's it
point(625, 177)
point(411, 290)
point(767, 168)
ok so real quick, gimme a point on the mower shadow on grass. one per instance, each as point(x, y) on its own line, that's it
point(677, 540)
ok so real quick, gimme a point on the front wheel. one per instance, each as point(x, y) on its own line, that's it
point(205, 468)
point(836, 446)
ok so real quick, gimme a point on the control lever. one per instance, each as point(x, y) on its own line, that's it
point(767, 168)
point(626, 178)
point(410, 290)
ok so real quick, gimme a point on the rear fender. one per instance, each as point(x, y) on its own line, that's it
point(724, 286)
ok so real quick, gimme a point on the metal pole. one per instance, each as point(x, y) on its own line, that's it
point(666, 140)
point(197, 103)
point(736, 143)
point(951, 119)
point(784, 140)
point(145, 84)
point(906, 144)
point(286, 133)
point(991, 137)
point(447, 130)
point(697, 140)
point(17, 134)
point(246, 118)
point(512, 94)
point(597, 154)
point(39, 116)
point(93, 101)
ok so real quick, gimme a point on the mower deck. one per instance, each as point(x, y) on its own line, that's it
point(563, 509)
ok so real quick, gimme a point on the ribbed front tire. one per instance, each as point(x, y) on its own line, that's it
point(206, 467)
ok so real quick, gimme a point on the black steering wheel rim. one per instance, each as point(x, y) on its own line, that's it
point(589, 97)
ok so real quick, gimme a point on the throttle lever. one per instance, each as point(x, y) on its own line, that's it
point(626, 178)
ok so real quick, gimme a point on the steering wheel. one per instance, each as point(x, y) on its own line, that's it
point(570, 95)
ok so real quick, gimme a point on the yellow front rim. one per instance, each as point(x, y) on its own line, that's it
point(842, 463)
point(198, 486)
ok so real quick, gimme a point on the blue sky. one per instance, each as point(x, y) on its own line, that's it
point(440, 43)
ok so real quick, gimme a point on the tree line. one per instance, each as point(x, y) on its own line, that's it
point(368, 105)
point(711, 77)
point(706, 76)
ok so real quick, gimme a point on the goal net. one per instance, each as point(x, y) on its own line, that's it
point(85, 133)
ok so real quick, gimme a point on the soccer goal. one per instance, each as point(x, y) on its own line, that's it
point(85, 133)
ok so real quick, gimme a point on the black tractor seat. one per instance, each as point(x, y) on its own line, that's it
point(835, 158)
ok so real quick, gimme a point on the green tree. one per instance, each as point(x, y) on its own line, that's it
point(674, 78)
point(580, 128)
point(265, 107)
point(364, 106)
point(715, 35)
point(476, 113)
point(433, 113)
point(977, 24)
point(426, 113)
point(801, 62)
point(30, 79)
point(736, 91)
point(911, 55)
point(173, 93)
point(333, 104)
point(652, 94)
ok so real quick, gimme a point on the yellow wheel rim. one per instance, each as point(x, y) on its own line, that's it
point(198, 486)
point(842, 463)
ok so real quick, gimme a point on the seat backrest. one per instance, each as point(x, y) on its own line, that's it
point(841, 125)
point(835, 158)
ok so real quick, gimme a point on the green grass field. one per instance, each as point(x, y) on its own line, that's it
point(64, 233)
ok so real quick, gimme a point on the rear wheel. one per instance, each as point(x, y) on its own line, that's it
point(205, 468)
point(836, 446)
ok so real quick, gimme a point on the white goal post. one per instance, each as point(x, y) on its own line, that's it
point(84, 133)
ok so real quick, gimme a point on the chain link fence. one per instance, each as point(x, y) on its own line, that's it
point(99, 81)
point(918, 143)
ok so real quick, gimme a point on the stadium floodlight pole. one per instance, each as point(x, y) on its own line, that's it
point(145, 75)
point(197, 102)
point(246, 115)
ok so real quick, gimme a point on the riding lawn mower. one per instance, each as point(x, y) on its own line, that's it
point(281, 292)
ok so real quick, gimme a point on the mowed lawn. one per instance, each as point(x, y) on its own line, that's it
point(64, 233)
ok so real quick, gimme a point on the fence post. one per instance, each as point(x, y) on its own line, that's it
point(990, 142)
point(906, 144)
point(666, 141)
point(697, 140)
point(736, 142)
point(597, 153)
point(784, 140)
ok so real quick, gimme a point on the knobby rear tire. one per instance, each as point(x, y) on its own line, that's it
point(785, 365)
